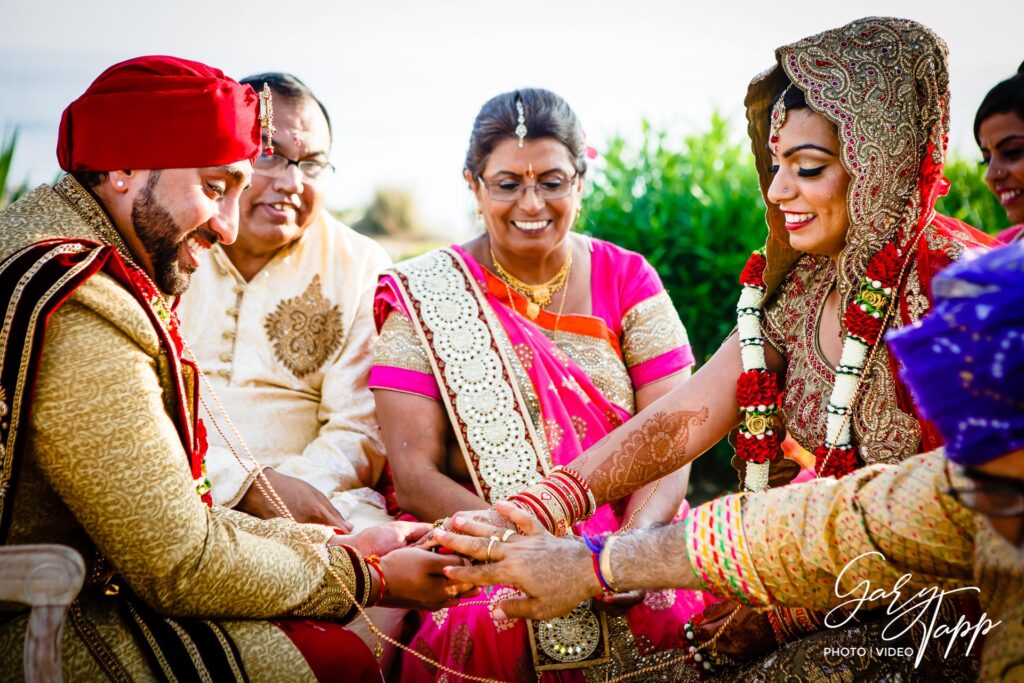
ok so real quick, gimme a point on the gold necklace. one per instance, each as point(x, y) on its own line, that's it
point(537, 296)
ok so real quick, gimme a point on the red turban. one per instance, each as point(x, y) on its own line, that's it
point(159, 112)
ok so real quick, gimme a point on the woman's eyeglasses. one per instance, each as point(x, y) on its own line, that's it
point(548, 187)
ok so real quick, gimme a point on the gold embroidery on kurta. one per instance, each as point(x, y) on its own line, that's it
point(660, 600)
point(305, 330)
point(579, 425)
point(525, 354)
point(461, 645)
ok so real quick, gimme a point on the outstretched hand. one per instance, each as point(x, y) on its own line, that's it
point(555, 573)
point(489, 516)
point(383, 538)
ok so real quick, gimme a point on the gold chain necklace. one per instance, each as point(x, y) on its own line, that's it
point(537, 296)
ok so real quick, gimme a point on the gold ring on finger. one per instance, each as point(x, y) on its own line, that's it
point(508, 533)
point(490, 546)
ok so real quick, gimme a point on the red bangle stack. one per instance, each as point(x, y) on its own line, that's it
point(559, 501)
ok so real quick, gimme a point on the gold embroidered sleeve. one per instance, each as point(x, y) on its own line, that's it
point(399, 346)
point(348, 578)
point(103, 438)
point(276, 528)
point(808, 541)
point(650, 329)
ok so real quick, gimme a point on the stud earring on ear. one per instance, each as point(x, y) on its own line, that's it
point(120, 183)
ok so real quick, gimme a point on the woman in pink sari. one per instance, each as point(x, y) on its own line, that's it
point(512, 354)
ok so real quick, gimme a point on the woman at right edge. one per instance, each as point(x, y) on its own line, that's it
point(849, 131)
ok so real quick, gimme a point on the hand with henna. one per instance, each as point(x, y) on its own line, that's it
point(383, 538)
point(555, 573)
point(746, 635)
point(620, 603)
point(491, 518)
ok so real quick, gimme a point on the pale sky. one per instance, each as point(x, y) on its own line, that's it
point(403, 80)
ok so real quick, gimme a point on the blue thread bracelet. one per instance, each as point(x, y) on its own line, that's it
point(596, 545)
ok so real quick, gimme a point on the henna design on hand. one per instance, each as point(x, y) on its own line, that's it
point(652, 450)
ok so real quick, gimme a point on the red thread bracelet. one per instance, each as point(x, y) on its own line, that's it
point(375, 562)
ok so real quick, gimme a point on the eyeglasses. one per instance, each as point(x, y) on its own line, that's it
point(991, 495)
point(548, 187)
point(274, 165)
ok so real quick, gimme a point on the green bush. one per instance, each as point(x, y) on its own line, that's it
point(969, 198)
point(694, 209)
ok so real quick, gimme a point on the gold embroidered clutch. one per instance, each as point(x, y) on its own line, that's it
point(575, 641)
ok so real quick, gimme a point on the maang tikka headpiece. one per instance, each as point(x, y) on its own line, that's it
point(778, 116)
point(267, 119)
point(521, 126)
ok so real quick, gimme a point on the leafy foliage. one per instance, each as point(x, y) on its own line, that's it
point(694, 209)
point(7, 146)
point(969, 198)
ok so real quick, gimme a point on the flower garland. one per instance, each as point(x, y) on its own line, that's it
point(197, 460)
point(758, 388)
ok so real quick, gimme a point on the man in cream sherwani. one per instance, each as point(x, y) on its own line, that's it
point(280, 321)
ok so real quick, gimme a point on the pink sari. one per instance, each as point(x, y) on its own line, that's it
point(570, 395)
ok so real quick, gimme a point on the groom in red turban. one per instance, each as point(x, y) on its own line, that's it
point(187, 119)
point(100, 448)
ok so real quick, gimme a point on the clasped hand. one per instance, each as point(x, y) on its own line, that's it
point(554, 573)
point(415, 577)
